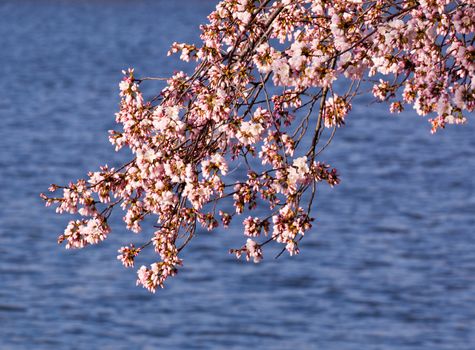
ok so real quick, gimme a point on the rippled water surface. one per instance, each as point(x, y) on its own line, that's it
point(389, 265)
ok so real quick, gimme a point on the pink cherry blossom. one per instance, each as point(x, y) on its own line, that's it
point(272, 80)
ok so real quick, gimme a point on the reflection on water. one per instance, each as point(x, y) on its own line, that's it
point(390, 264)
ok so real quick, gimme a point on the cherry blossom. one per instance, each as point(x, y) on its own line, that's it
point(273, 80)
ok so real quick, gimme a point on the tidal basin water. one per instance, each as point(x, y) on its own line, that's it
point(390, 263)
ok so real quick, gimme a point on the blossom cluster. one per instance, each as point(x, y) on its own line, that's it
point(269, 75)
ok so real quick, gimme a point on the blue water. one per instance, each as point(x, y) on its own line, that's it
point(389, 265)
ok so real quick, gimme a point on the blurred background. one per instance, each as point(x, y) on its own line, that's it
point(390, 263)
